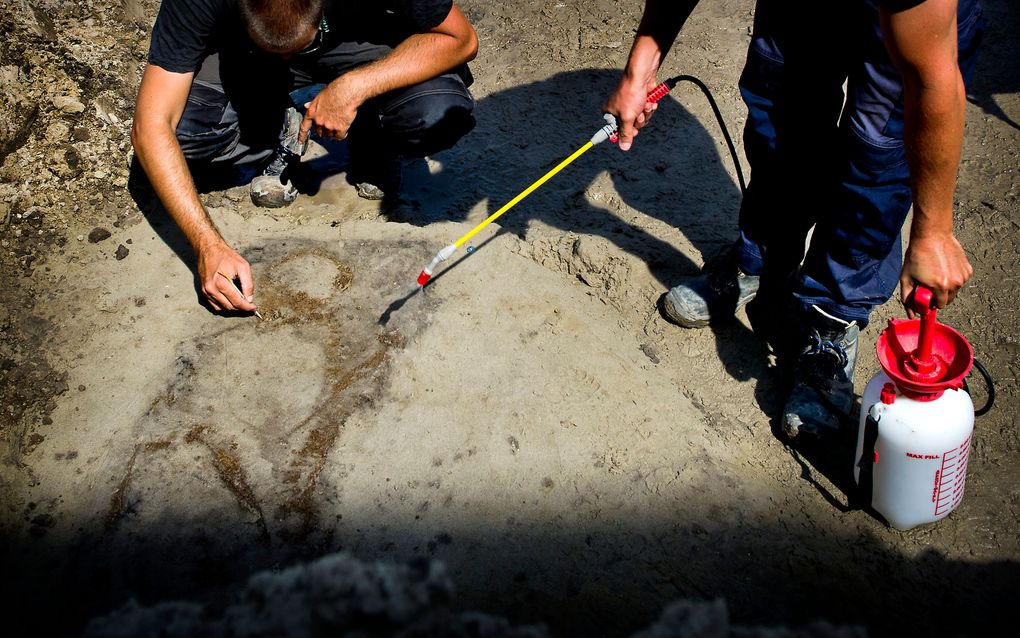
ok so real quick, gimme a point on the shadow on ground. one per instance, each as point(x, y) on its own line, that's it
point(607, 579)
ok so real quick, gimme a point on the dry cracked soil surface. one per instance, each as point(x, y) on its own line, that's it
point(529, 421)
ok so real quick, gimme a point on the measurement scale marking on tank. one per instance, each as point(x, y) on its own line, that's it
point(951, 478)
point(958, 489)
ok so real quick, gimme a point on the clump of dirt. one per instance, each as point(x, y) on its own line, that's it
point(338, 595)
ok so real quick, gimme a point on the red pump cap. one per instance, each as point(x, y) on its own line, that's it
point(922, 356)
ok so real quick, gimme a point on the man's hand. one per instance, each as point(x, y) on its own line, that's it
point(218, 266)
point(660, 24)
point(629, 103)
point(332, 111)
point(936, 261)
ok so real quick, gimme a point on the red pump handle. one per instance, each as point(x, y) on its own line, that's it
point(923, 304)
point(922, 299)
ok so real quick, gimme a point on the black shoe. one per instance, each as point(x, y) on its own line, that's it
point(823, 386)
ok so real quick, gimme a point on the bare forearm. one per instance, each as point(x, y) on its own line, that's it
point(159, 153)
point(922, 42)
point(660, 24)
point(419, 58)
point(934, 138)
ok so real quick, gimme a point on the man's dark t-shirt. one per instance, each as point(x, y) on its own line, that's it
point(187, 31)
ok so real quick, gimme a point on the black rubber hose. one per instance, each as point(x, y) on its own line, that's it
point(672, 82)
point(989, 386)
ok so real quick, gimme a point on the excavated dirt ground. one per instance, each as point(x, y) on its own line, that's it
point(529, 420)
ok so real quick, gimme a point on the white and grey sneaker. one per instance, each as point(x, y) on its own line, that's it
point(273, 188)
point(717, 293)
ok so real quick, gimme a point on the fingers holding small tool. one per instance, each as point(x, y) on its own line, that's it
point(235, 291)
point(226, 280)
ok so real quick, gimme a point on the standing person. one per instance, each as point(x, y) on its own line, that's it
point(847, 164)
point(390, 77)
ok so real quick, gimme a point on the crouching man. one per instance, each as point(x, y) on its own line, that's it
point(223, 80)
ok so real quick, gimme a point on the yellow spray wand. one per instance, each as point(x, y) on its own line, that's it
point(602, 135)
point(606, 132)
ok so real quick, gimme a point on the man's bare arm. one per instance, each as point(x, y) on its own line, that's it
point(419, 58)
point(162, 97)
point(922, 41)
point(659, 26)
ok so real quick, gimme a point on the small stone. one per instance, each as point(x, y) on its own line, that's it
point(651, 352)
point(68, 104)
point(122, 252)
point(98, 234)
point(57, 132)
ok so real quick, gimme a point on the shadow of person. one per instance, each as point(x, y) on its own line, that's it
point(831, 457)
point(992, 77)
point(144, 196)
point(667, 202)
point(674, 174)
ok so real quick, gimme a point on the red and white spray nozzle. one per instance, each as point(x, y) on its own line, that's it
point(442, 255)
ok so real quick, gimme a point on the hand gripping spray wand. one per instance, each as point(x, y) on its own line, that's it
point(607, 132)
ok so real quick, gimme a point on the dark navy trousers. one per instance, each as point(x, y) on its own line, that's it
point(235, 110)
point(826, 158)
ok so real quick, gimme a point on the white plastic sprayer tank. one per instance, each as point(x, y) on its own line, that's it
point(919, 465)
point(916, 421)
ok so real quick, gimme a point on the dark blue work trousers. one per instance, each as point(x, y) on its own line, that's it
point(235, 110)
point(828, 159)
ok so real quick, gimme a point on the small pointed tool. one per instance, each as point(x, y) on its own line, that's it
point(234, 284)
point(607, 132)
